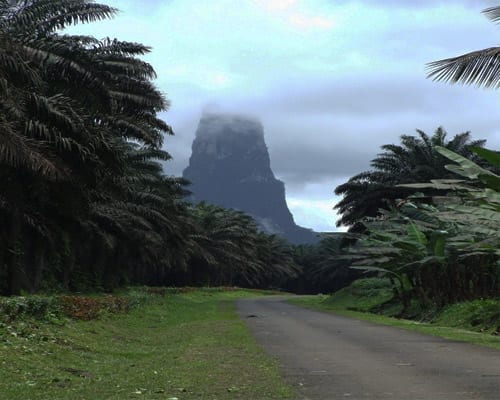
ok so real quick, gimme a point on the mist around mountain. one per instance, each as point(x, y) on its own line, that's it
point(230, 167)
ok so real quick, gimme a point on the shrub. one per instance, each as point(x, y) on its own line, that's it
point(479, 315)
point(38, 307)
point(87, 308)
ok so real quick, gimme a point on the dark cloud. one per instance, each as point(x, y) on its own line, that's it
point(328, 99)
point(375, 97)
point(300, 164)
point(324, 126)
point(320, 130)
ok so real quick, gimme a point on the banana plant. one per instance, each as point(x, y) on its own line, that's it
point(478, 211)
point(409, 246)
point(472, 208)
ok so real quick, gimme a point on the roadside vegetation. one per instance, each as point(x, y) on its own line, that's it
point(86, 206)
point(433, 255)
point(438, 245)
point(426, 219)
point(159, 343)
point(370, 299)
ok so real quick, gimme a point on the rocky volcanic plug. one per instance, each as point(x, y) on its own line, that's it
point(230, 167)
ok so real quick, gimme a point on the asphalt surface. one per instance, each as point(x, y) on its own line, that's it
point(325, 357)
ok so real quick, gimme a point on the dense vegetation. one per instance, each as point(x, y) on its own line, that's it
point(440, 245)
point(437, 241)
point(85, 206)
point(415, 160)
point(84, 202)
point(444, 252)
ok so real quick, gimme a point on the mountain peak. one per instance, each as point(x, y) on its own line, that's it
point(230, 167)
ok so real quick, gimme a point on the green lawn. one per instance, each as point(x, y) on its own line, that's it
point(179, 346)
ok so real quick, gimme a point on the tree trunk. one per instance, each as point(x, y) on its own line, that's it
point(15, 271)
point(38, 266)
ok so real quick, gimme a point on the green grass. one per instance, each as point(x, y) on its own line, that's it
point(452, 323)
point(477, 315)
point(184, 346)
point(361, 295)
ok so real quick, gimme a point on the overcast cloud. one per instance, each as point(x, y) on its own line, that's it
point(331, 81)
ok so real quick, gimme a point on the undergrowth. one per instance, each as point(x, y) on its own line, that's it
point(163, 345)
point(478, 315)
point(371, 299)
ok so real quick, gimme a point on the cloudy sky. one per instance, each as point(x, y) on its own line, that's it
point(330, 80)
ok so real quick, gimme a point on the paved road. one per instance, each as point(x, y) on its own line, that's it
point(331, 357)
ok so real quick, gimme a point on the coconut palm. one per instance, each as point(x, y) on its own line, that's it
point(481, 67)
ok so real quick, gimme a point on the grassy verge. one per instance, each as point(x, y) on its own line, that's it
point(452, 323)
point(177, 346)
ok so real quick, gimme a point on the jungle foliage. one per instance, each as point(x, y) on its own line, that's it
point(84, 201)
point(444, 252)
point(414, 160)
point(85, 204)
point(439, 246)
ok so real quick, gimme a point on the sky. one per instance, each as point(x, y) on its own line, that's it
point(331, 81)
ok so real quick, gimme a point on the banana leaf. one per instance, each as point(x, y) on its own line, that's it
point(493, 157)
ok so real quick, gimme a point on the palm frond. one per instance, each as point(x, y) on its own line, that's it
point(46, 16)
point(18, 151)
point(492, 13)
point(480, 68)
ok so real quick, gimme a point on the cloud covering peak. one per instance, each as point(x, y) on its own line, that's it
point(331, 81)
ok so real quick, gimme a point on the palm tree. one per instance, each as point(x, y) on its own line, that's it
point(37, 126)
point(414, 160)
point(84, 200)
point(481, 67)
point(68, 105)
point(148, 218)
point(228, 240)
point(277, 258)
point(229, 250)
point(30, 55)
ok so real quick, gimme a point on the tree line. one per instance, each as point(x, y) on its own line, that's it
point(85, 204)
point(84, 201)
point(427, 215)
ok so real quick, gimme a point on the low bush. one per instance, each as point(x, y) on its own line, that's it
point(37, 307)
point(87, 308)
point(57, 308)
point(478, 315)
